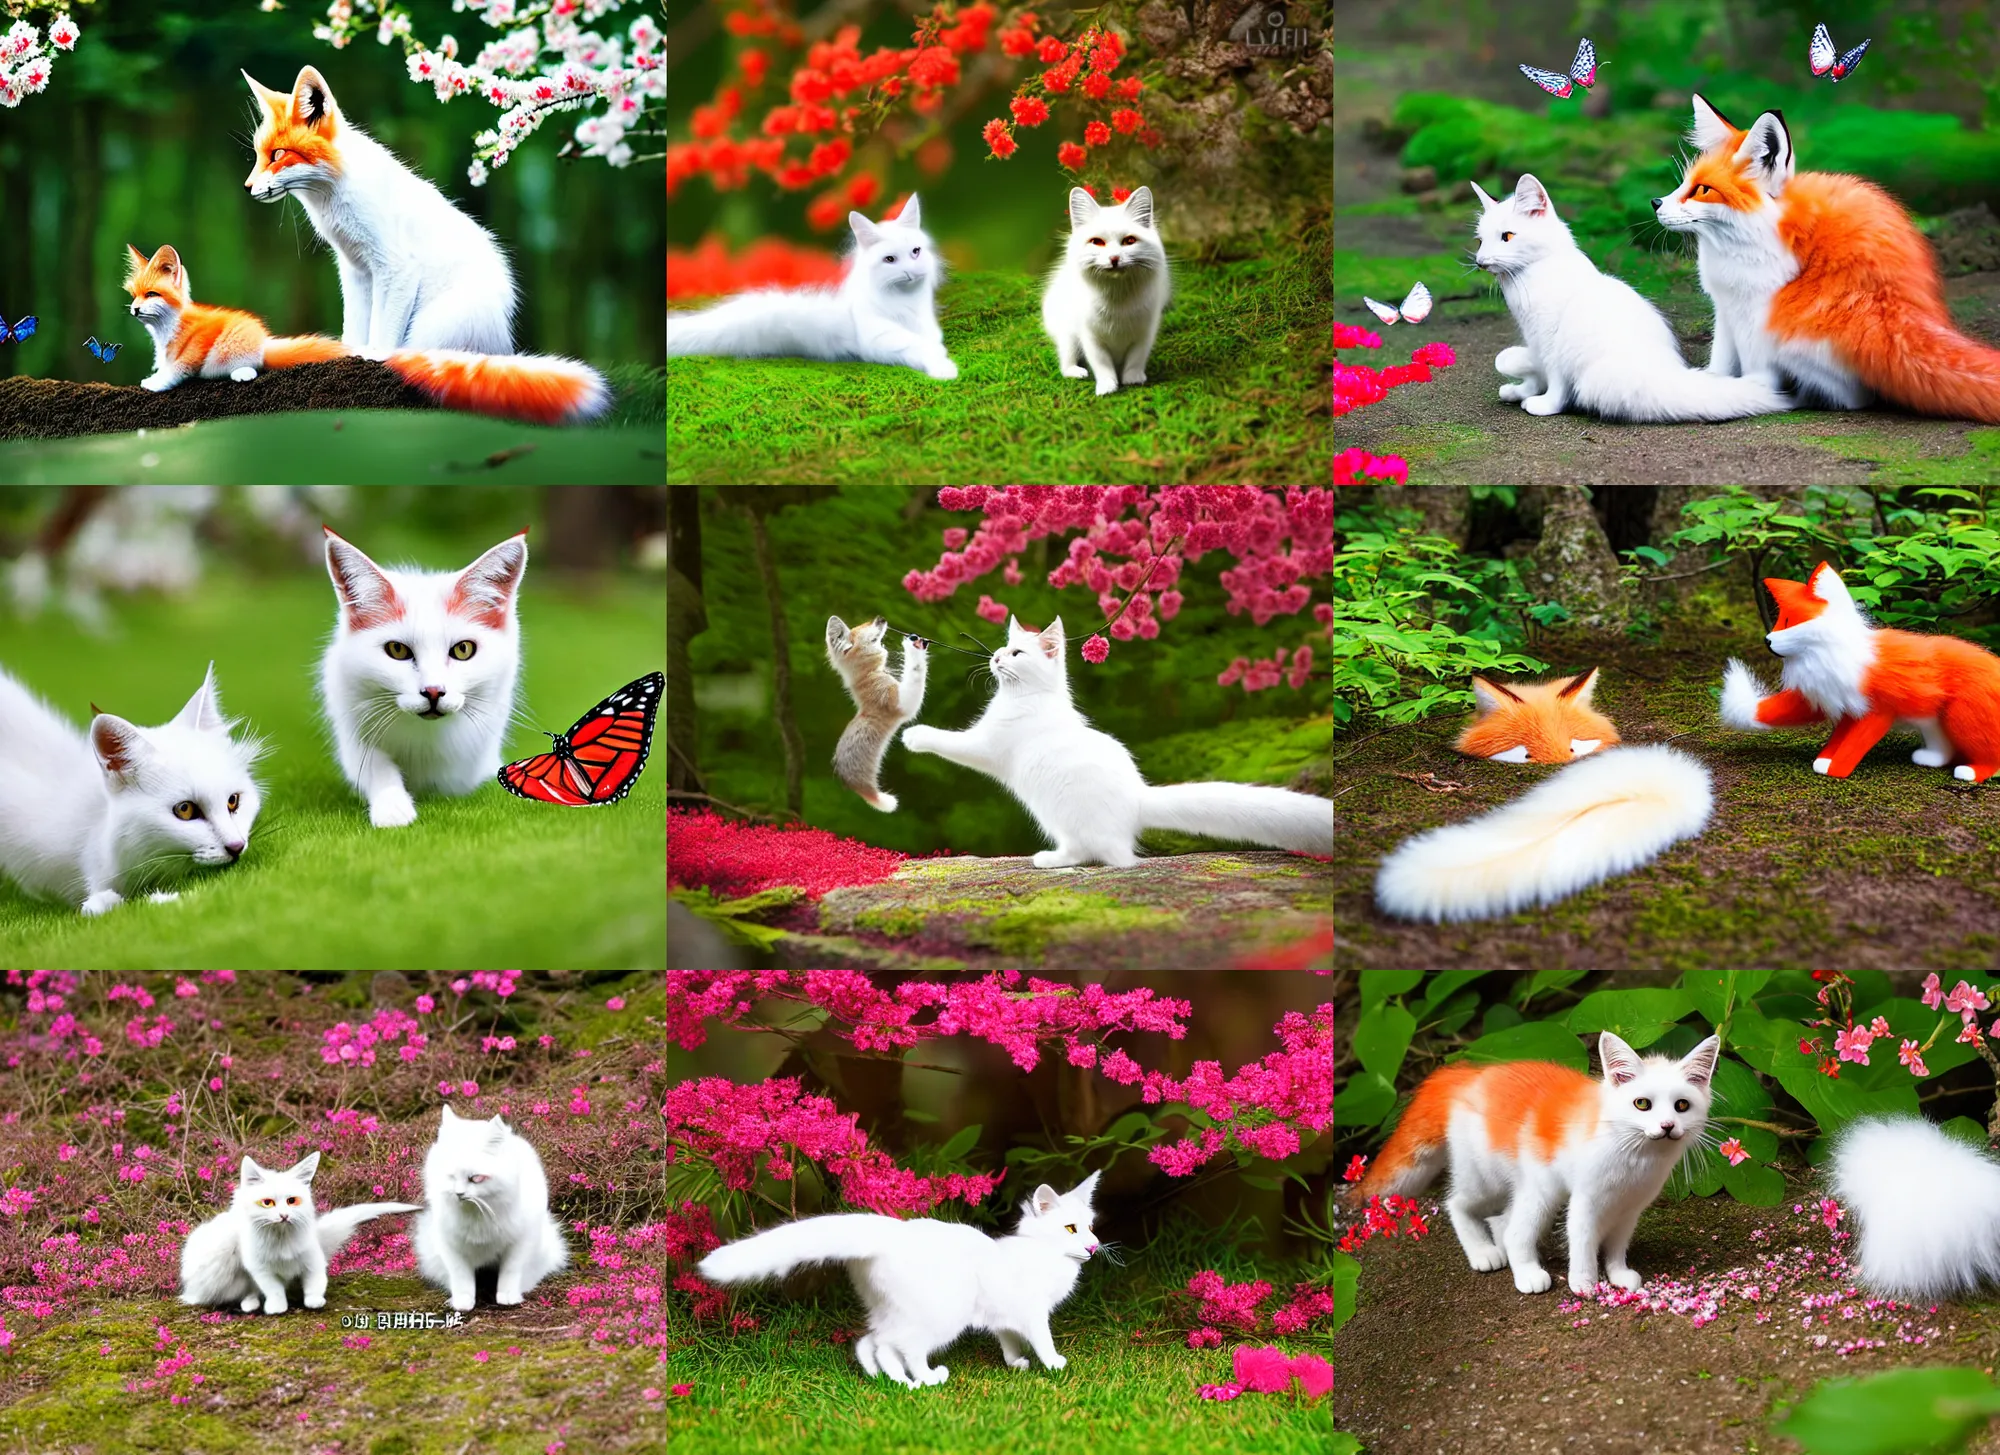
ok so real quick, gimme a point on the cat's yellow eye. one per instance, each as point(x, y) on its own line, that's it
point(234, 799)
point(462, 651)
point(267, 1202)
point(399, 650)
point(1506, 237)
point(1682, 1104)
point(1644, 1103)
point(185, 811)
point(1069, 1227)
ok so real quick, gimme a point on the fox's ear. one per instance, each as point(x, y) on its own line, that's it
point(1711, 128)
point(1531, 198)
point(312, 100)
point(1767, 150)
point(1580, 687)
point(1825, 583)
point(275, 102)
point(1490, 696)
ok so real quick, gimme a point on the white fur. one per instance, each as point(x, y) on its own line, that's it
point(1590, 341)
point(373, 700)
point(1503, 1198)
point(89, 818)
point(486, 1206)
point(1827, 657)
point(1744, 262)
point(925, 1282)
point(1104, 298)
point(1606, 815)
point(1928, 1206)
point(884, 312)
point(1081, 784)
point(271, 1236)
point(1741, 692)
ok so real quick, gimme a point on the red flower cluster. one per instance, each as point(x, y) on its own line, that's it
point(708, 270)
point(733, 859)
point(1358, 467)
point(1356, 385)
point(1384, 1216)
point(1099, 50)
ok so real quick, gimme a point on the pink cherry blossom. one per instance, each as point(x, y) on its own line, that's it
point(1911, 1056)
point(1733, 1150)
point(1933, 995)
point(1830, 1212)
point(1965, 999)
point(1853, 1044)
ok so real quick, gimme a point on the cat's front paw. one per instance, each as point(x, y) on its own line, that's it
point(1106, 385)
point(274, 1305)
point(392, 810)
point(319, 1302)
point(164, 896)
point(941, 369)
point(157, 383)
point(1487, 1260)
point(920, 739)
point(1018, 1361)
point(1132, 376)
point(1629, 1279)
point(1075, 371)
point(101, 901)
point(508, 1296)
point(1543, 404)
point(1532, 1279)
point(243, 375)
point(1514, 393)
point(1056, 1361)
point(461, 1301)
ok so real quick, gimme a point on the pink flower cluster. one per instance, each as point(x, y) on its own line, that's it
point(733, 859)
point(1294, 1084)
point(1257, 673)
point(351, 1045)
point(1269, 1371)
point(1238, 1306)
point(735, 1126)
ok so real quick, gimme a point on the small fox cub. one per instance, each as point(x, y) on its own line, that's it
point(1536, 722)
point(1822, 277)
point(1869, 679)
point(885, 704)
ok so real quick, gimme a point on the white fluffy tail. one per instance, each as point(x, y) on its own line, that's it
point(337, 1227)
point(1274, 816)
point(836, 1238)
point(1741, 692)
point(802, 323)
point(1606, 815)
point(1928, 1205)
point(1670, 396)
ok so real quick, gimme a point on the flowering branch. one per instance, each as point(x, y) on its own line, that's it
point(25, 63)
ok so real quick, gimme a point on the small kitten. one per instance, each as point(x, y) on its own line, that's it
point(1104, 299)
point(925, 1282)
point(1524, 1137)
point(884, 312)
point(885, 703)
point(271, 1236)
point(486, 1206)
point(420, 677)
point(86, 818)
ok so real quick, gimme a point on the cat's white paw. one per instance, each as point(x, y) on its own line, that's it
point(1925, 758)
point(920, 739)
point(1629, 1279)
point(250, 1302)
point(319, 1302)
point(243, 375)
point(1532, 1279)
point(1487, 1260)
point(274, 1305)
point(392, 810)
point(1820, 765)
point(1582, 1283)
point(1075, 371)
point(101, 901)
point(1514, 393)
point(1053, 859)
point(157, 383)
point(461, 1301)
point(942, 369)
point(1058, 1362)
point(1017, 1361)
point(508, 1296)
point(1106, 385)
point(1132, 376)
point(1964, 774)
point(938, 1375)
point(164, 896)
point(1542, 404)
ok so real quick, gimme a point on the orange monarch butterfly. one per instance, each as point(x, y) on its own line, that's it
point(597, 760)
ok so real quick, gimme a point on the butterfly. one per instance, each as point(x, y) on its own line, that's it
point(597, 760)
point(105, 352)
point(1416, 307)
point(1820, 57)
point(21, 329)
point(1583, 69)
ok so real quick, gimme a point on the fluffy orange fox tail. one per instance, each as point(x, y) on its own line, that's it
point(1933, 368)
point(539, 388)
point(1415, 1152)
point(311, 348)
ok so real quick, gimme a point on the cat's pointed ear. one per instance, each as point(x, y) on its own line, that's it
point(1485, 200)
point(865, 232)
point(912, 215)
point(835, 630)
point(1087, 1187)
point(250, 1171)
point(366, 597)
point(449, 1117)
point(1621, 1062)
point(121, 748)
point(1050, 638)
point(485, 590)
point(1531, 198)
point(1139, 206)
point(305, 1170)
point(1082, 208)
point(1490, 696)
point(203, 712)
point(1698, 1065)
point(1014, 628)
point(1045, 1199)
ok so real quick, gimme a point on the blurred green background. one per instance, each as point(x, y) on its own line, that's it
point(845, 554)
point(143, 137)
point(487, 880)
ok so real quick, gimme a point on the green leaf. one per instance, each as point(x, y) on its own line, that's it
point(1641, 1017)
point(1709, 990)
point(1363, 1101)
point(1649, 553)
point(1263, 1184)
point(1499, 1017)
point(1344, 1444)
point(1966, 1130)
point(1545, 980)
point(1346, 1285)
point(1454, 1013)
point(1444, 984)
point(1760, 1040)
point(1381, 1038)
point(1529, 1041)
point(962, 1141)
point(1752, 1184)
point(1904, 1412)
point(1834, 1102)
point(1378, 985)
point(911, 1114)
point(1126, 1126)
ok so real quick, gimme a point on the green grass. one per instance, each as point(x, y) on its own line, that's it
point(482, 881)
point(1232, 383)
point(353, 447)
point(1128, 1387)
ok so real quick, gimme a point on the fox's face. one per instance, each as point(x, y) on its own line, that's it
point(1732, 188)
point(1536, 722)
point(296, 138)
point(158, 285)
point(1810, 612)
point(1521, 230)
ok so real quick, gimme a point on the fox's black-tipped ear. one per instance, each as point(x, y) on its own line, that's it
point(1711, 128)
point(1767, 150)
point(1581, 685)
point(1490, 696)
point(312, 99)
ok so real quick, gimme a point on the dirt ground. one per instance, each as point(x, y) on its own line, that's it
point(46, 409)
point(1439, 1360)
point(1891, 868)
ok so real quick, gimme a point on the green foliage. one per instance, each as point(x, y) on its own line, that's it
point(1346, 1287)
point(1383, 1036)
point(1531, 1041)
point(1928, 1411)
point(1639, 1017)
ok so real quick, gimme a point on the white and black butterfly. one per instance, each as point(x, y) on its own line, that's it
point(1416, 308)
point(1821, 56)
point(1583, 69)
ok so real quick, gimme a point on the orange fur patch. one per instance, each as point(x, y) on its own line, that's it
point(1537, 716)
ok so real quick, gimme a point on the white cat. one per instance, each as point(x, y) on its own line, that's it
point(925, 1282)
point(884, 312)
point(1590, 341)
point(1083, 787)
point(1104, 299)
point(419, 679)
point(90, 818)
point(486, 1206)
point(271, 1236)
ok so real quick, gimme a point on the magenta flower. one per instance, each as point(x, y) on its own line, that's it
point(1095, 650)
point(1912, 1056)
point(681, 1390)
point(1852, 1044)
point(1356, 1167)
point(1733, 1150)
point(1314, 1374)
point(1262, 1371)
point(1220, 1391)
point(425, 1005)
point(991, 610)
point(1830, 1212)
point(1933, 995)
point(1964, 999)
point(617, 1002)
point(1204, 1339)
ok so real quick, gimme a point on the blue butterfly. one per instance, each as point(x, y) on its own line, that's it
point(106, 352)
point(19, 330)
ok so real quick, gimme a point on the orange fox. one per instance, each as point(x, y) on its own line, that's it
point(1822, 278)
point(1536, 722)
point(1869, 679)
point(191, 339)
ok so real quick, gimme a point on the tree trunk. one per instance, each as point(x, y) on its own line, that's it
point(1576, 555)
point(1447, 511)
point(687, 618)
point(781, 660)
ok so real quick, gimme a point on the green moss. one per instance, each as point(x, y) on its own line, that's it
point(1437, 443)
point(1025, 926)
point(817, 947)
point(1900, 462)
point(1249, 750)
point(896, 923)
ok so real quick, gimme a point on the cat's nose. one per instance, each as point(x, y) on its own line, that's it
point(234, 850)
point(1656, 203)
point(431, 695)
point(1666, 1126)
point(1093, 1248)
